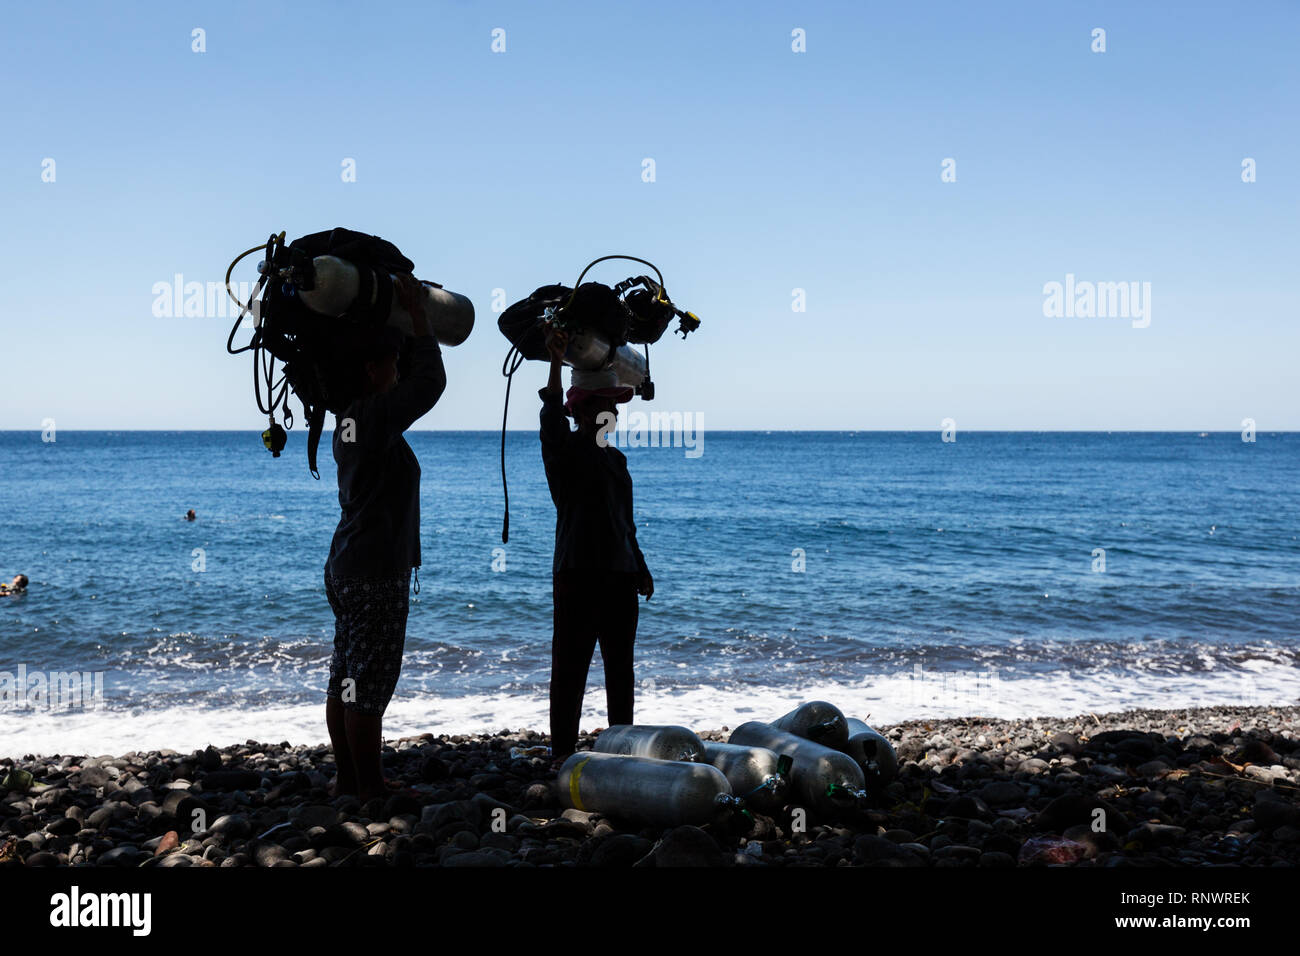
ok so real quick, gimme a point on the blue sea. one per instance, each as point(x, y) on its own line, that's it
point(895, 574)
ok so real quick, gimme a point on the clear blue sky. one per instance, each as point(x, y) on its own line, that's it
point(775, 171)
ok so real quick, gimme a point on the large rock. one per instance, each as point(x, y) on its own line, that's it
point(269, 854)
point(1155, 834)
point(313, 815)
point(231, 780)
point(877, 851)
point(121, 856)
point(1066, 742)
point(438, 815)
point(1078, 807)
point(621, 850)
point(477, 858)
point(179, 806)
point(231, 825)
point(1003, 793)
point(91, 777)
point(1272, 811)
point(1131, 746)
point(968, 807)
point(688, 846)
point(956, 855)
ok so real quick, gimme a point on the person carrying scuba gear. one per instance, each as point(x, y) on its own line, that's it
point(377, 542)
point(598, 568)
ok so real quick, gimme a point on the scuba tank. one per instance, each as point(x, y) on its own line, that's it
point(315, 298)
point(874, 754)
point(758, 777)
point(825, 780)
point(602, 322)
point(665, 793)
point(332, 287)
point(646, 740)
point(818, 721)
point(588, 351)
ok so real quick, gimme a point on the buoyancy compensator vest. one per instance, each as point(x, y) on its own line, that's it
point(322, 297)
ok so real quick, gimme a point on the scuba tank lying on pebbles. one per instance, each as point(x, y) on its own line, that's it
point(320, 296)
point(758, 777)
point(824, 780)
point(667, 742)
point(603, 324)
point(826, 724)
point(665, 793)
point(874, 754)
point(817, 721)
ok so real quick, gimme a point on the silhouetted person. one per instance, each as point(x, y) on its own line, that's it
point(377, 542)
point(190, 515)
point(598, 568)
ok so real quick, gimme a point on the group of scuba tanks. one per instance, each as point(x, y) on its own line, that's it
point(319, 297)
point(813, 757)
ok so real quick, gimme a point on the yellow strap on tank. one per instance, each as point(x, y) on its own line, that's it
point(573, 785)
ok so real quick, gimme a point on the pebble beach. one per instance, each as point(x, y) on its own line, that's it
point(1186, 788)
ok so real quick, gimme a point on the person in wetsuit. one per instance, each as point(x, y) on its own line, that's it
point(598, 569)
point(377, 541)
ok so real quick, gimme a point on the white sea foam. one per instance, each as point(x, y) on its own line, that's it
point(882, 701)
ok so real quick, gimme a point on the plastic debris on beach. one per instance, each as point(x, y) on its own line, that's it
point(526, 753)
point(1051, 850)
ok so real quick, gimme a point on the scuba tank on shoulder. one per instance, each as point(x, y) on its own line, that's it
point(336, 287)
point(316, 298)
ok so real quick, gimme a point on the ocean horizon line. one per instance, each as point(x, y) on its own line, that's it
point(725, 431)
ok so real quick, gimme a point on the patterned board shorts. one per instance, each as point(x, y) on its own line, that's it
point(369, 636)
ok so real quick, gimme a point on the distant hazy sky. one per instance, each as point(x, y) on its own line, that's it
point(774, 171)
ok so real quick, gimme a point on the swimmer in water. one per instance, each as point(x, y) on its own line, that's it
point(16, 587)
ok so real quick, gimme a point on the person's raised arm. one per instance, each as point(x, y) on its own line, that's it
point(556, 343)
point(426, 379)
point(555, 426)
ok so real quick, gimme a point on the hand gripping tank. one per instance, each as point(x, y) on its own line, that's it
point(666, 742)
point(753, 772)
point(817, 721)
point(337, 283)
point(874, 754)
point(823, 779)
point(666, 793)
